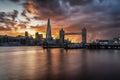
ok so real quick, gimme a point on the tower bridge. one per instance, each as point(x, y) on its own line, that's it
point(73, 33)
point(83, 33)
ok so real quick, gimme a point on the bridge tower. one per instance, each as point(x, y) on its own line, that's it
point(84, 35)
point(61, 35)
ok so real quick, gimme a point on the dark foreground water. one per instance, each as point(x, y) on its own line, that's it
point(35, 63)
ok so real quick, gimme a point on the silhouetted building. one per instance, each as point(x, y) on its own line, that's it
point(48, 31)
point(104, 42)
point(38, 39)
point(26, 34)
point(36, 35)
point(61, 36)
point(84, 36)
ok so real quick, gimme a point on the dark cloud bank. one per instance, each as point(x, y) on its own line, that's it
point(101, 17)
point(7, 20)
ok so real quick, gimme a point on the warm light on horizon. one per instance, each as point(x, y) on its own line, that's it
point(30, 32)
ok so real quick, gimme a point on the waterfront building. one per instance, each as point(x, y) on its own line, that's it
point(26, 34)
point(48, 31)
point(38, 39)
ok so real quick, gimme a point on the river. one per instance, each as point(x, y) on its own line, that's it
point(35, 63)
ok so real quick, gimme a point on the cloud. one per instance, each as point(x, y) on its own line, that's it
point(15, 0)
point(100, 17)
point(25, 15)
point(14, 14)
point(8, 15)
point(2, 28)
point(7, 20)
point(97, 15)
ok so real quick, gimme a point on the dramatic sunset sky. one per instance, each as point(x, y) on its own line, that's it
point(100, 17)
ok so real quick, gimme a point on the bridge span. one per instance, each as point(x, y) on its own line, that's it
point(83, 33)
point(73, 33)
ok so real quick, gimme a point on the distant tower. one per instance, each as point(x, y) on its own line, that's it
point(26, 34)
point(27, 41)
point(84, 36)
point(61, 35)
point(36, 35)
point(48, 31)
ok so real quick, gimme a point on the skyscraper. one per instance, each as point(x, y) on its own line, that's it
point(48, 31)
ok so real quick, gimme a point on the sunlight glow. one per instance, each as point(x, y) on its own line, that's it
point(30, 31)
point(35, 23)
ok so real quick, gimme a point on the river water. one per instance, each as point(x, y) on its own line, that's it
point(35, 63)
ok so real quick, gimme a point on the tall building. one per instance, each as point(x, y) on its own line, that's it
point(38, 38)
point(84, 35)
point(26, 34)
point(48, 31)
point(36, 35)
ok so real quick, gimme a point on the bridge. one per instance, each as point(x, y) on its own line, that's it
point(83, 33)
point(73, 33)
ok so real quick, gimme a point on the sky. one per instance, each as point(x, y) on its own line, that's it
point(100, 17)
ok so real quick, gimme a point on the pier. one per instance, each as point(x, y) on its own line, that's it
point(92, 46)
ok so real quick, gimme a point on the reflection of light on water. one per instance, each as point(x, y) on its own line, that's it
point(116, 51)
point(34, 63)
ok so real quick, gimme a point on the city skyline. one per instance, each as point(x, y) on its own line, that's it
point(100, 17)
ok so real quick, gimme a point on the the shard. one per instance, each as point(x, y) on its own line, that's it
point(48, 31)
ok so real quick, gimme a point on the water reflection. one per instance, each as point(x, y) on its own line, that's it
point(35, 63)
